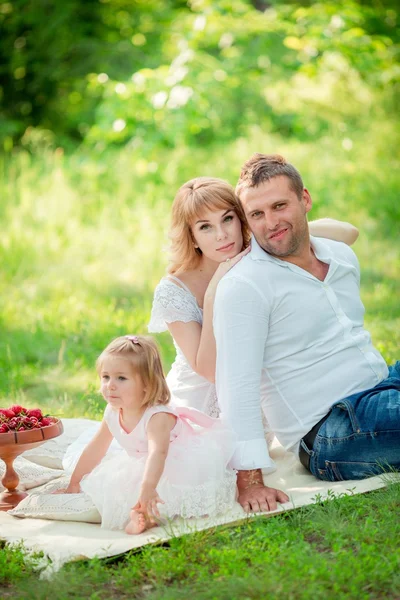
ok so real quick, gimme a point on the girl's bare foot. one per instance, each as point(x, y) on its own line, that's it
point(137, 524)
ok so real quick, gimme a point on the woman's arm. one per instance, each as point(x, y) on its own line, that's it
point(90, 457)
point(334, 230)
point(197, 342)
point(158, 437)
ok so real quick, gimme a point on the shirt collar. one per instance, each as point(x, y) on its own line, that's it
point(321, 250)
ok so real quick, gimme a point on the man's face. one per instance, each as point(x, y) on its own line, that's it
point(277, 217)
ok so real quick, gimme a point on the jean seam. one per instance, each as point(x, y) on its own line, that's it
point(354, 435)
point(349, 437)
point(347, 405)
point(350, 462)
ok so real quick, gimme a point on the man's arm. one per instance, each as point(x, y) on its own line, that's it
point(241, 317)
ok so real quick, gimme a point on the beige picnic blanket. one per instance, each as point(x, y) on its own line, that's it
point(62, 541)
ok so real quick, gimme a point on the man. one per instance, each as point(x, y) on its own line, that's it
point(288, 322)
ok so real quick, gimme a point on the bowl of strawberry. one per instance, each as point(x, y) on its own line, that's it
point(21, 429)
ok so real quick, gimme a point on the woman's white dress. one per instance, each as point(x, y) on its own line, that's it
point(175, 302)
point(195, 482)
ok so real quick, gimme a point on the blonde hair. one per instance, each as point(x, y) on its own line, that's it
point(192, 199)
point(144, 358)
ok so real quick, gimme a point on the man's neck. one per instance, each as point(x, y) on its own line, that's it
point(306, 259)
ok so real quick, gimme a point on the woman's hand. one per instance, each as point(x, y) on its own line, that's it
point(222, 269)
point(147, 503)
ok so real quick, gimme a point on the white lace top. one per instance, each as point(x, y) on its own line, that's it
point(175, 302)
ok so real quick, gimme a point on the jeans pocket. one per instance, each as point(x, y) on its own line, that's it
point(342, 471)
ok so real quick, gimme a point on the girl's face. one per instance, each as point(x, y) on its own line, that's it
point(121, 387)
point(218, 234)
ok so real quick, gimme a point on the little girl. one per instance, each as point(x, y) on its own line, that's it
point(168, 460)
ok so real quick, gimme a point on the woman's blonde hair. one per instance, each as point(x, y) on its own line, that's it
point(192, 199)
point(144, 357)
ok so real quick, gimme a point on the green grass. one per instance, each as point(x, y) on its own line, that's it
point(82, 245)
point(346, 547)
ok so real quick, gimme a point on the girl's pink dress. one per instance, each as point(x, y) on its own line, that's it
point(196, 480)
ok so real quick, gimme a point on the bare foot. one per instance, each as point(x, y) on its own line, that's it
point(137, 524)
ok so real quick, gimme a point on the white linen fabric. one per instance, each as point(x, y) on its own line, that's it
point(60, 507)
point(30, 475)
point(289, 345)
point(196, 480)
point(175, 302)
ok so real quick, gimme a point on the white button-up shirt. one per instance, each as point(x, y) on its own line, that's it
point(290, 345)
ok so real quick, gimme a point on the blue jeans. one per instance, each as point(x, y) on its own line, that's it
point(361, 436)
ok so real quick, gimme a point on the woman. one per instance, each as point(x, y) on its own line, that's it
point(209, 235)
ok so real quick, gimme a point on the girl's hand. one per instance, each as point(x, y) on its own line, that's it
point(147, 503)
point(73, 488)
point(223, 268)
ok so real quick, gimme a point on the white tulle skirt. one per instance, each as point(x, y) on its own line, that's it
point(196, 480)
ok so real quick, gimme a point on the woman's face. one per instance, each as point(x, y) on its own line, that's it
point(218, 234)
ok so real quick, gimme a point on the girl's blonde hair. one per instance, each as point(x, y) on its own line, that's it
point(144, 357)
point(192, 199)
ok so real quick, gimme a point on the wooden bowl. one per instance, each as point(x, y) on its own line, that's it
point(14, 443)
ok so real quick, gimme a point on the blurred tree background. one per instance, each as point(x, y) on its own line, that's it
point(151, 72)
point(108, 106)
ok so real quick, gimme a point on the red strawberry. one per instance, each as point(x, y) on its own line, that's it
point(6, 412)
point(17, 409)
point(46, 421)
point(35, 412)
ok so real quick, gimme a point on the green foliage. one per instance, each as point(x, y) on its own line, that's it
point(298, 71)
point(57, 45)
point(153, 74)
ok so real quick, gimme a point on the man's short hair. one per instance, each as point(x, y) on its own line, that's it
point(263, 167)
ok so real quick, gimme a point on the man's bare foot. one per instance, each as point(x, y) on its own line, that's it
point(138, 523)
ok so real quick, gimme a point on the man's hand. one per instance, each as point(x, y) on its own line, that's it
point(254, 496)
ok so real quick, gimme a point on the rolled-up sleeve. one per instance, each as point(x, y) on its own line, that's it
point(241, 317)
